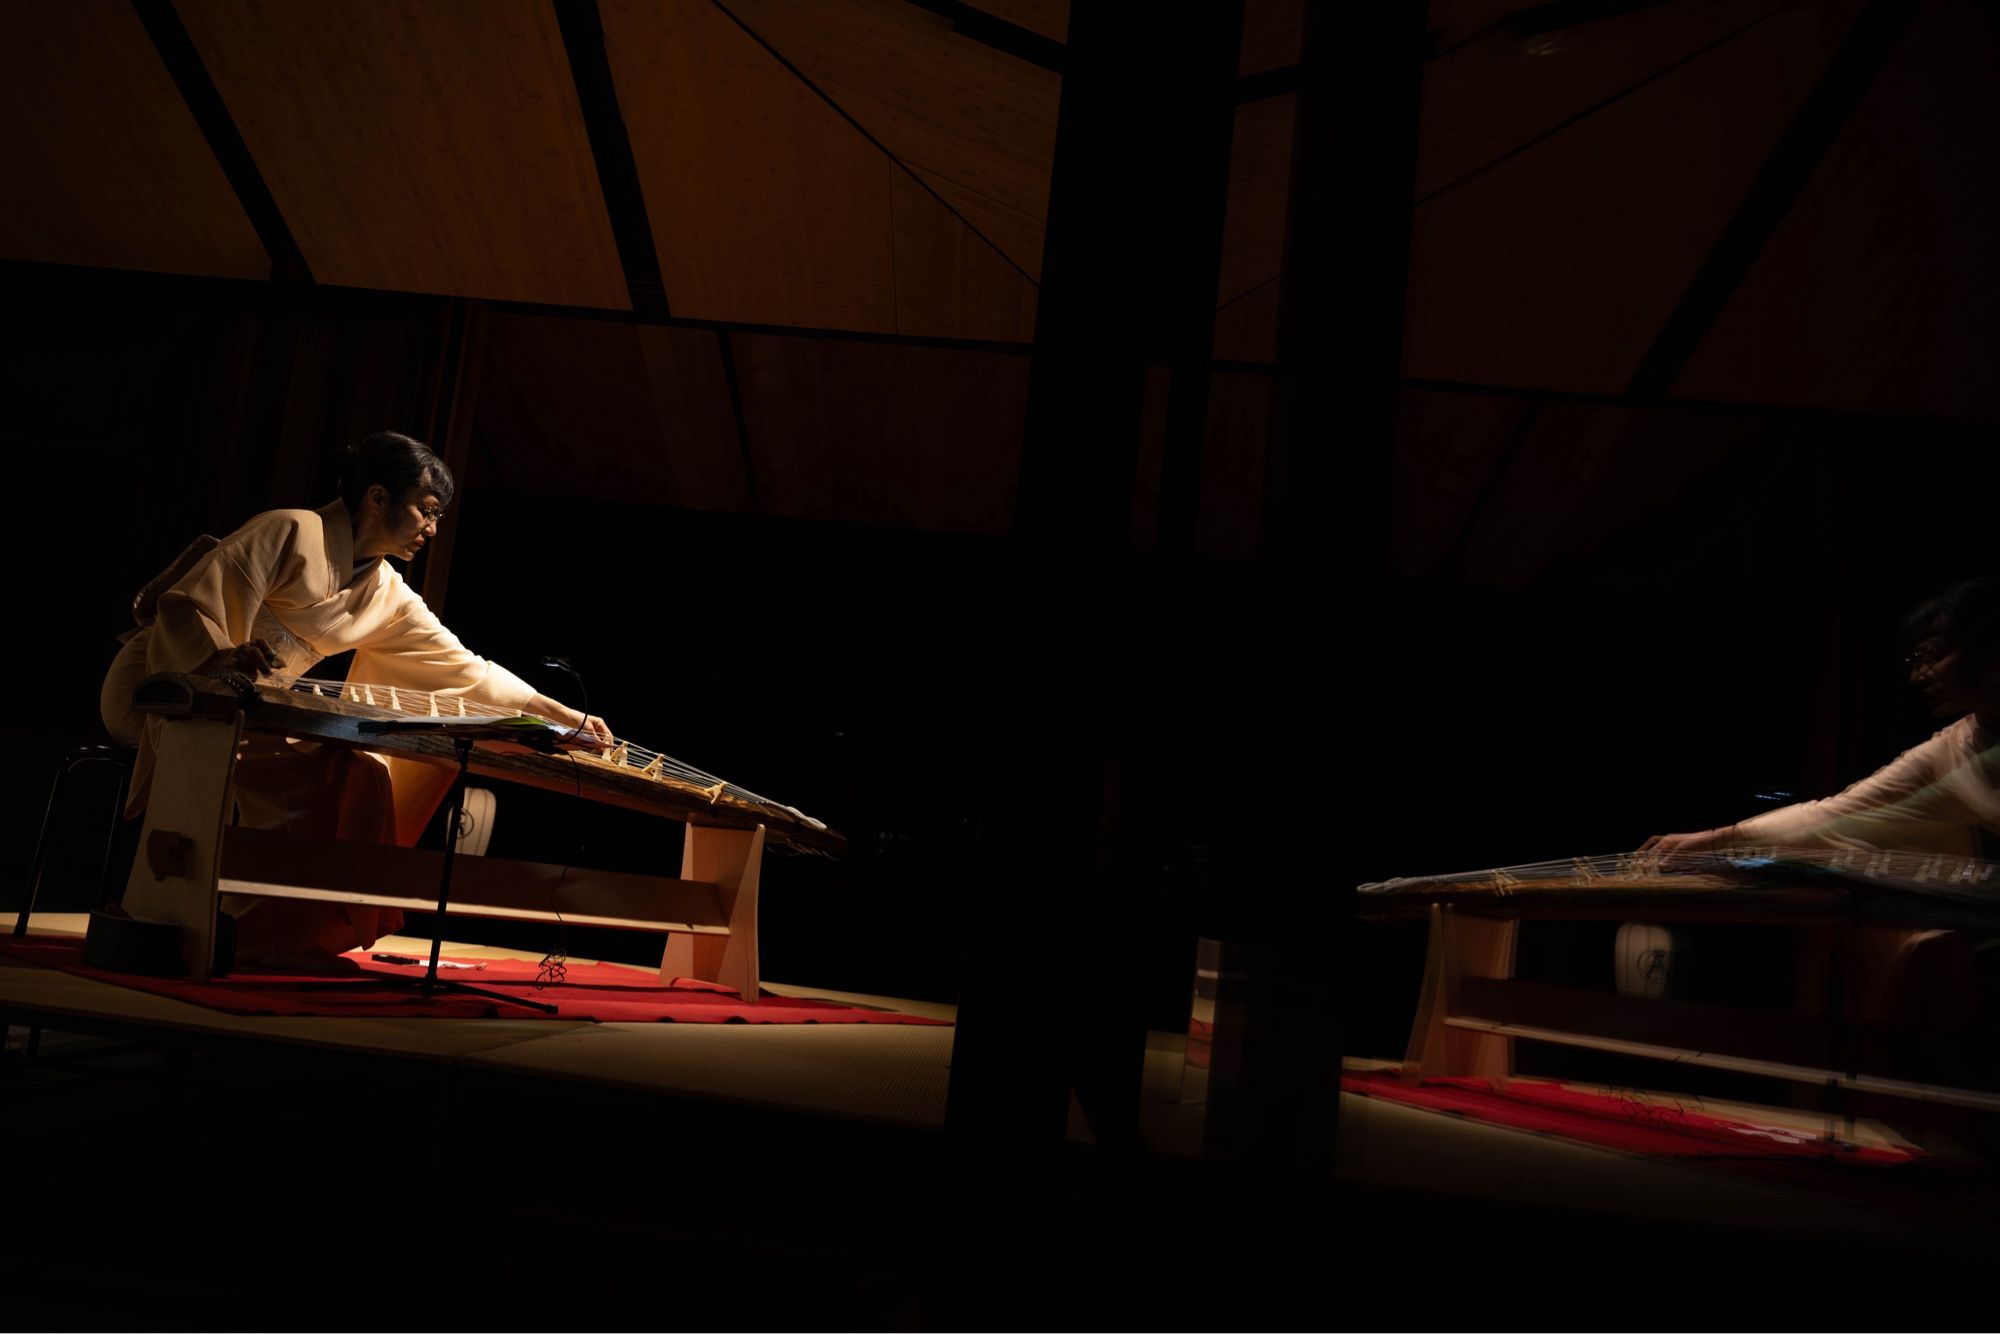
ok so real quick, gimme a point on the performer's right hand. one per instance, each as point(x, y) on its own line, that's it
point(1666, 845)
point(253, 659)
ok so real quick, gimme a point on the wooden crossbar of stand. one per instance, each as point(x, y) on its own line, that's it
point(1471, 1011)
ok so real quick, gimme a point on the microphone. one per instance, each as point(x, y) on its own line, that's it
point(562, 664)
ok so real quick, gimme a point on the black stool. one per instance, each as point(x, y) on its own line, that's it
point(123, 757)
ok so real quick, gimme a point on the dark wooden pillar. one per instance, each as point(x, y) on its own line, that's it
point(1049, 1003)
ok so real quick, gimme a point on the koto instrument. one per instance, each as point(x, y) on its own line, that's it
point(1738, 884)
point(626, 774)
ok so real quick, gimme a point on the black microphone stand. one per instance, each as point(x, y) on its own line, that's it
point(462, 736)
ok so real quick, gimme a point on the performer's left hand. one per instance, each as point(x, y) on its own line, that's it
point(579, 729)
point(595, 729)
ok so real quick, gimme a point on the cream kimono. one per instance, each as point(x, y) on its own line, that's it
point(1931, 798)
point(288, 577)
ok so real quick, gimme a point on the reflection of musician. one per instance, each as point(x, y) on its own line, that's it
point(1936, 797)
point(1941, 796)
point(285, 590)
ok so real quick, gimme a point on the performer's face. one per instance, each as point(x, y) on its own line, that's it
point(420, 512)
point(409, 522)
point(1947, 676)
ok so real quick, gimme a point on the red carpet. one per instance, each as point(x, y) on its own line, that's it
point(1652, 1123)
point(599, 992)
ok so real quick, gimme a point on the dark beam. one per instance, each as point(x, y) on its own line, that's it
point(611, 147)
point(1798, 152)
point(1007, 38)
point(1202, 136)
point(1324, 550)
point(28, 272)
point(1067, 777)
point(742, 424)
point(198, 90)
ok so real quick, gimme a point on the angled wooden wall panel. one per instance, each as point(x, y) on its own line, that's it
point(1495, 94)
point(1260, 171)
point(910, 437)
point(600, 410)
point(1045, 18)
point(949, 282)
point(978, 125)
point(766, 207)
point(424, 148)
point(1877, 291)
point(1557, 269)
point(1253, 230)
point(103, 162)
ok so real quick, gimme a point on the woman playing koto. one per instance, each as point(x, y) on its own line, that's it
point(287, 589)
point(1941, 796)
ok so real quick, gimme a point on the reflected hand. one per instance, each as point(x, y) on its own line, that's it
point(1668, 845)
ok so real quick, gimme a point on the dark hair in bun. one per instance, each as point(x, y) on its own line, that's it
point(399, 463)
point(1965, 616)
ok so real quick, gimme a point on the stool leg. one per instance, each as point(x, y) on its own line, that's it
point(41, 852)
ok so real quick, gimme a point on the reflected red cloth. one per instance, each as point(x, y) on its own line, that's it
point(596, 992)
point(1649, 1123)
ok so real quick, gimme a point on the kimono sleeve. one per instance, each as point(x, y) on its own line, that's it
point(414, 650)
point(215, 604)
point(1905, 805)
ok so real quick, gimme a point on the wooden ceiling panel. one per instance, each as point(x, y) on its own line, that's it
point(1877, 290)
point(103, 162)
point(421, 148)
point(1455, 21)
point(946, 106)
point(1009, 231)
point(910, 437)
point(766, 207)
point(601, 410)
point(1558, 269)
point(1492, 95)
point(949, 282)
point(1046, 18)
point(1260, 173)
point(1271, 32)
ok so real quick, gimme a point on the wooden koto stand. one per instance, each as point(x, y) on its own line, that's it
point(1472, 1008)
point(189, 855)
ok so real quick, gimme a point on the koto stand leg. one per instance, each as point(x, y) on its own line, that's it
point(180, 848)
point(1460, 947)
point(430, 982)
point(731, 860)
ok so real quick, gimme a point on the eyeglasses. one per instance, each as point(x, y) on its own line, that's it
point(1927, 656)
point(431, 514)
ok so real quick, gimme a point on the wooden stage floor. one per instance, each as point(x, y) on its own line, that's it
point(891, 1074)
point(510, 1171)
